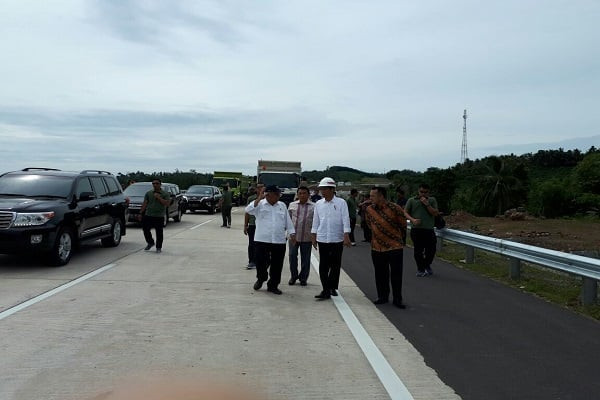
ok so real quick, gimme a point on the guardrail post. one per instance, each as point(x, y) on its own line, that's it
point(469, 254)
point(439, 244)
point(514, 271)
point(589, 291)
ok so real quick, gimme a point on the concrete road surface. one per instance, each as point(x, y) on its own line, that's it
point(192, 310)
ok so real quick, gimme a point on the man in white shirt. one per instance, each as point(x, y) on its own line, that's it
point(330, 232)
point(272, 223)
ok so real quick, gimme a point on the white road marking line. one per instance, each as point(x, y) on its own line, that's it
point(199, 225)
point(43, 296)
point(386, 374)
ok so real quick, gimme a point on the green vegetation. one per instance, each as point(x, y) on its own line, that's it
point(549, 183)
point(180, 178)
point(553, 286)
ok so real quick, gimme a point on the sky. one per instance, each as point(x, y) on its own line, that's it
point(128, 85)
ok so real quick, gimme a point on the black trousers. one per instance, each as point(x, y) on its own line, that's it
point(251, 247)
point(388, 269)
point(269, 262)
point(153, 222)
point(366, 231)
point(330, 264)
point(424, 242)
point(226, 214)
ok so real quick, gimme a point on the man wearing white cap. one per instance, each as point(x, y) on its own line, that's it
point(330, 233)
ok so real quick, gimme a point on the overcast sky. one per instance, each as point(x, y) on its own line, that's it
point(127, 85)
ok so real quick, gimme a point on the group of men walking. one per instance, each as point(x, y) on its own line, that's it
point(327, 226)
point(324, 225)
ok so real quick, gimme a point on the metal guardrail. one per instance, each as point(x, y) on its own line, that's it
point(586, 267)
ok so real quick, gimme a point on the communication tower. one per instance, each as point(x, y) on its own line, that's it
point(463, 151)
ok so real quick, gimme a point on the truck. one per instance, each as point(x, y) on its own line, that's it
point(237, 182)
point(285, 174)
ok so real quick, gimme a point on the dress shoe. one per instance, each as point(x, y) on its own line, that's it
point(399, 304)
point(380, 301)
point(333, 292)
point(292, 281)
point(149, 246)
point(302, 283)
point(158, 250)
point(258, 284)
point(323, 295)
point(274, 290)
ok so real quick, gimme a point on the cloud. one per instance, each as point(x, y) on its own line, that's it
point(137, 85)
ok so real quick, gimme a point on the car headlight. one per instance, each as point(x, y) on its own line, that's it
point(33, 219)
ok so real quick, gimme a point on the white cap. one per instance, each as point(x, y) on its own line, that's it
point(327, 182)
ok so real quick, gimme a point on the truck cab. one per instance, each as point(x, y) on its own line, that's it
point(284, 174)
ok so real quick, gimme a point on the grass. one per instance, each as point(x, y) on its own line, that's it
point(556, 287)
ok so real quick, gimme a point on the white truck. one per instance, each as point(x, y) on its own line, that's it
point(285, 174)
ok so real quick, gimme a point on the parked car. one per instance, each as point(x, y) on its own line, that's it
point(203, 197)
point(51, 212)
point(136, 191)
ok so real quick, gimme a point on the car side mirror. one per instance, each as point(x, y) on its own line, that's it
point(86, 196)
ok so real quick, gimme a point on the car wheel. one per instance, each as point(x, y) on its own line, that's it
point(166, 219)
point(177, 218)
point(63, 247)
point(115, 235)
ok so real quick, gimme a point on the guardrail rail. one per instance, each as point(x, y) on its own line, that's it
point(586, 267)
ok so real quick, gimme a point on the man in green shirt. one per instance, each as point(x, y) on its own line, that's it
point(423, 208)
point(153, 212)
point(226, 204)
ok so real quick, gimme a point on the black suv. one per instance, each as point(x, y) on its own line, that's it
point(48, 211)
point(136, 191)
point(203, 197)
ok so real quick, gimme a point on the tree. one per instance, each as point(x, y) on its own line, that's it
point(443, 185)
point(502, 185)
point(552, 199)
point(587, 174)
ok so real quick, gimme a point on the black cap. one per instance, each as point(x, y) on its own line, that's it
point(272, 189)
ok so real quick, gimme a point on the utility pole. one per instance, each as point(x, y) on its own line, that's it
point(463, 151)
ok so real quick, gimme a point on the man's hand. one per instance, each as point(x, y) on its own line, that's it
point(347, 241)
point(246, 230)
point(260, 192)
point(293, 240)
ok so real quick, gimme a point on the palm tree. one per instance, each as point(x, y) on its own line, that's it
point(502, 185)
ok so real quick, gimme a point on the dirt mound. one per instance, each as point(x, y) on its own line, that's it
point(568, 235)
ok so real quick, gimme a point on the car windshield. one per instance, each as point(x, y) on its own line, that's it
point(199, 190)
point(281, 180)
point(232, 182)
point(36, 185)
point(137, 189)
